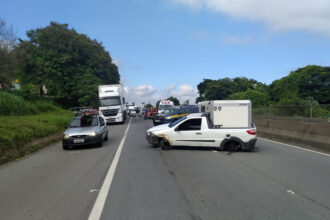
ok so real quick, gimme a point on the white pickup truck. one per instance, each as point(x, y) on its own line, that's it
point(198, 130)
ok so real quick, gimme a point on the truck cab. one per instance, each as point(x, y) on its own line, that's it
point(112, 103)
point(164, 105)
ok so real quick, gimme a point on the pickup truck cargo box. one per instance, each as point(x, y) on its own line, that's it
point(228, 113)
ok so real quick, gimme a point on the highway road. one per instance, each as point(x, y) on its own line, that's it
point(275, 182)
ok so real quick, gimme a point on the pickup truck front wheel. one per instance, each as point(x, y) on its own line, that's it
point(164, 145)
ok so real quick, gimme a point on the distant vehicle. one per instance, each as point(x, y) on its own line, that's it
point(145, 113)
point(88, 128)
point(152, 112)
point(112, 103)
point(197, 130)
point(164, 105)
point(174, 113)
point(132, 113)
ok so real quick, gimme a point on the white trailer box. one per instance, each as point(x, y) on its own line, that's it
point(228, 113)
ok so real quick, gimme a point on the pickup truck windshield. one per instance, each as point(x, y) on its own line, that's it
point(178, 121)
point(83, 122)
point(110, 101)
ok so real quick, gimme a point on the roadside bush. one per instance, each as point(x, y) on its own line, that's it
point(11, 104)
point(17, 131)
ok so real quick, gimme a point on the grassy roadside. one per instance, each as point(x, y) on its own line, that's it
point(17, 131)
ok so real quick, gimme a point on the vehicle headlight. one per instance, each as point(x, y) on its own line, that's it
point(149, 133)
point(66, 136)
point(169, 117)
point(93, 134)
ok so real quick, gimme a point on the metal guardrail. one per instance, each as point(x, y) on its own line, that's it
point(317, 113)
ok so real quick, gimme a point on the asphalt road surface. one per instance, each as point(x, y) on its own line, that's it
point(275, 182)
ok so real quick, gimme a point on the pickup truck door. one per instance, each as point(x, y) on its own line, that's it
point(188, 133)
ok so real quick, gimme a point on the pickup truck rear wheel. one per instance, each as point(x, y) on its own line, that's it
point(164, 145)
point(232, 146)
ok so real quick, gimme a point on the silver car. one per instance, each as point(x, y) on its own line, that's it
point(85, 130)
point(132, 113)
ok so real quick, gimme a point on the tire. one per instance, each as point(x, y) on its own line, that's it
point(106, 137)
point(100, 142)
point(164, 145)
point(232, 146)
point(65, 147)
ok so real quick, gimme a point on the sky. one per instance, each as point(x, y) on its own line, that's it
point(166, 47)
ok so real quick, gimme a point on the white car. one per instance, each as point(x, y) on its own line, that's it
point(132, 113)
point(196, 130)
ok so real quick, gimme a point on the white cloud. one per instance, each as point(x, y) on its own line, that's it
point(183, 93)
point(236, 39)
point(200, 35)
point(144, 90)
point(279, 15)
point(141, 93)
point(117, 61)
point(147, 93)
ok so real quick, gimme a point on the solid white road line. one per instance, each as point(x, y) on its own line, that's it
point(300, 148)
point(100, 200)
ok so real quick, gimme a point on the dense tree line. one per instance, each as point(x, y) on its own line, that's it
point(68, 64)
point(7, 55)
point(308, 85)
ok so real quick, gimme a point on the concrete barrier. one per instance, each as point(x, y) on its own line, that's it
point(291, 130)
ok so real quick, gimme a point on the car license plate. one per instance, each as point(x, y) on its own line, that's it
point(157, 120)
point(78, 141)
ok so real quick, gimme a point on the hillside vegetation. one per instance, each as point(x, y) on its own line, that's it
point(305, 86)
point(23, 121)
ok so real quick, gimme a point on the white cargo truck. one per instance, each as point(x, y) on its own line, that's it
point(230, 130)
point(112, 103)
point(228, 113)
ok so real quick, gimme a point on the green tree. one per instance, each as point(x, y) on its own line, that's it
point(148, 105)
point(174, 100)
point(222, 88)
point(302, 84)
point(7, 56)
point(157, 103)
point(257, 98)
point(71, 65)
